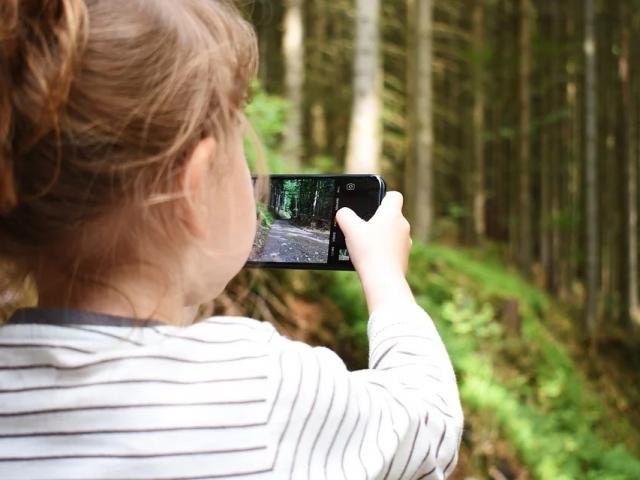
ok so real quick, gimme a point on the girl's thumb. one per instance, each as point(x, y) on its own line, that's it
point(348, 220)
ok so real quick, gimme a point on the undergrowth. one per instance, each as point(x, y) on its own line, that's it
point(519, 376)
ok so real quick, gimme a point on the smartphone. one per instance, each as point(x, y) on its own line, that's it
point(297, 228)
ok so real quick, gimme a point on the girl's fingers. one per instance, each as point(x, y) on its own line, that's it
point(348, 220)
point(391, 204)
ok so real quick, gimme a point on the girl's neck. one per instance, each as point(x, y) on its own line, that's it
point(133, 292)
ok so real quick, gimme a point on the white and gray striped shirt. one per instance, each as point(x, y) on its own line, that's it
point(89, 396)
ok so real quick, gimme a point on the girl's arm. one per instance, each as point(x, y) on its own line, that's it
point(403, 340)
point(399, 419)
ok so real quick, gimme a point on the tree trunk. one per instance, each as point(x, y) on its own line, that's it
point(363, 150)
point(591, 169)
point(409, 180)
point(559, 175)
point(423, 206)
point(479, 195)
point(315, 203)
point(293, 50)
point(547, 181)
point(634, 304)
point(574, 132)
point(631, 197)
point(524, 139)
point(318, 113)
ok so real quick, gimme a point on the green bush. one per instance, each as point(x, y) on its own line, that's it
point(267, 115)
point(265, 216)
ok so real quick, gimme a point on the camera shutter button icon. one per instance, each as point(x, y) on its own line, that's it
point(351, 187)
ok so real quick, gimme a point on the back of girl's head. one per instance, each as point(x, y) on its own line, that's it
point(100, 103)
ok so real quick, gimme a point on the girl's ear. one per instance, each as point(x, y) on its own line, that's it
point(194, 182)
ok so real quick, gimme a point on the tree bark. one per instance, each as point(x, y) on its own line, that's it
point(318, 113)
point(423, 206)
point(410, 161)
point(479, 194)
point(574, 132)
point(365, 141)
point(631, 295)
point(591, 169)
point(293, 50)
point(524, 140)
point(559, 176)
point(547, 182)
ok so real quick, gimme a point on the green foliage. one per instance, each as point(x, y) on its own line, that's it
point(457, 212)
point(265, 216)
point(527, 383)
point(345, 290)
point(304, 201)
point(324, 164)
point(267, 115)
point(478, 268)
point(481, 55)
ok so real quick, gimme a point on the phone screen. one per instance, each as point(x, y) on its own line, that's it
point(297, 227)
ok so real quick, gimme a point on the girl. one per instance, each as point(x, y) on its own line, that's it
point(126, 198)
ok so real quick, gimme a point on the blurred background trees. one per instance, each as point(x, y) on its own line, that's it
point(508, 122)
point(512, 127)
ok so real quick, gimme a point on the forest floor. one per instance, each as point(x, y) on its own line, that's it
point(287, 242)
point(539, 402)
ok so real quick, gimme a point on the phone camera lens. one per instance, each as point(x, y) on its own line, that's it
point(351, 187)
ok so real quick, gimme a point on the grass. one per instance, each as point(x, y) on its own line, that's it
point(265, 216)
point(520, 378)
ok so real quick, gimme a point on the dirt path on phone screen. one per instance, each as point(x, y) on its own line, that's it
point(289, 243)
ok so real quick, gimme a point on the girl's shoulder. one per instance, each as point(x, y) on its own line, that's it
point(227, 329)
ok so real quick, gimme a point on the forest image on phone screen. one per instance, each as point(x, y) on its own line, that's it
point(296, 224)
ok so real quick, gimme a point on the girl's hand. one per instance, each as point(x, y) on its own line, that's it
point(379, 250)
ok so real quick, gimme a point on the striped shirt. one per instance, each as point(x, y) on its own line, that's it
point(90, 396)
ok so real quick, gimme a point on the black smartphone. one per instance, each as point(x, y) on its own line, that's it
point(297, 227)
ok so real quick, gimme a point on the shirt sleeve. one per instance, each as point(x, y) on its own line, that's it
point(399, 419)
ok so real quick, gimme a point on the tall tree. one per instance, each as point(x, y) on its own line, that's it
point(524, 136)
point(317, 112)
point(365, 140)
point(631, 194)
point(479, 196)
point(423, 178)
point(546, 193)
point(409, 163)
point(293, 50)
point(591, 167)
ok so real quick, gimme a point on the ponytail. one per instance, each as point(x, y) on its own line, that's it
point(40, 44)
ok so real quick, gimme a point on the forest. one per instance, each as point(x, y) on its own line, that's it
point(307, 202)
point(512, 128)
point(295, 224)
point(513, 122)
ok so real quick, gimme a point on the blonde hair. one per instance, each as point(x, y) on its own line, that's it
point(100, 103)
